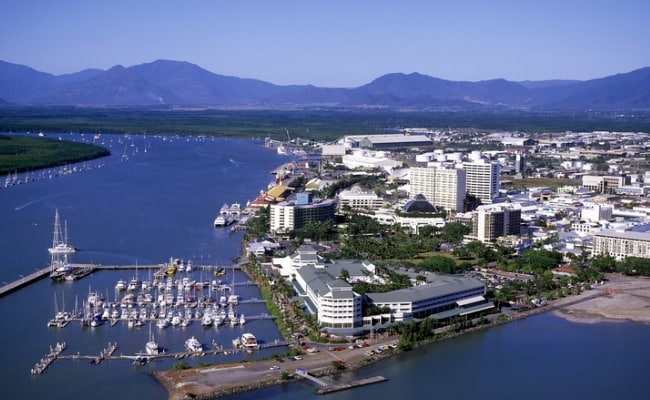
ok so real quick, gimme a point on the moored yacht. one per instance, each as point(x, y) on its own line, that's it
point(207, 319)
point(193, 345)
point(151, 347)
point(120, 285)
point(162, 323)
point(249, 341)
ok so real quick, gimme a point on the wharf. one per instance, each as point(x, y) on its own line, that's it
point(344, 386)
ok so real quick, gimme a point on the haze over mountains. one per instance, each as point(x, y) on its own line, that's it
point(176, 83)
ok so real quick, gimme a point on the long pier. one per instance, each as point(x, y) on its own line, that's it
point(24, 281)
point(85, 269)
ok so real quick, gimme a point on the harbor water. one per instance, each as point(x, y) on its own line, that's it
point(156, 198)
point(153, 199)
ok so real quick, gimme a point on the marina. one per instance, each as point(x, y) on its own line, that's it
point(174, 294)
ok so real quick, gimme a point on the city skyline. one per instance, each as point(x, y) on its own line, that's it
point(335, 43)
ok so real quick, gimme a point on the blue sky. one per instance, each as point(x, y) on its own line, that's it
point(334, 43)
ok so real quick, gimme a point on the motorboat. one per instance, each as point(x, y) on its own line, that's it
point(120, 285)
point(207, 319)
point(192, 345)
point(249, 341)
point(162, 323)
point(96, 320)
point(225, 217)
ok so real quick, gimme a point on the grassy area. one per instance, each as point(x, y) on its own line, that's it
point(20, 153)
point(540, 182)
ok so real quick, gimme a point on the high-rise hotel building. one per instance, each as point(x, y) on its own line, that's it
point(442, 187)
point(482, 177)
point(495, 220)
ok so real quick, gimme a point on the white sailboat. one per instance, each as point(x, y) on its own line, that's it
point(60, 242)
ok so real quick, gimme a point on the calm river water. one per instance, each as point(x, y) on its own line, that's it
point(147, 206)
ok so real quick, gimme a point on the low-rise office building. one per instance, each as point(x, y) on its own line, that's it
point(356, 198)
point(446, 296)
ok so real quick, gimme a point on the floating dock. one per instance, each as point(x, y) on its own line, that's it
point(49, 358)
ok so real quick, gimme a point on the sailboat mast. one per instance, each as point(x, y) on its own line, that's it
point(57, 229)
point(65, 232)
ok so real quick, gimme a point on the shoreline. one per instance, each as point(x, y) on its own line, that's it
point(622, 299)
point(607, 303)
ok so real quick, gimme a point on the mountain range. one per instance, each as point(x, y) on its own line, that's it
point(177, 83)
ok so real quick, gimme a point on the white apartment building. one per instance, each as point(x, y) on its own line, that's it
point(482, 178)
point(442, 187)
point(621, 244)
